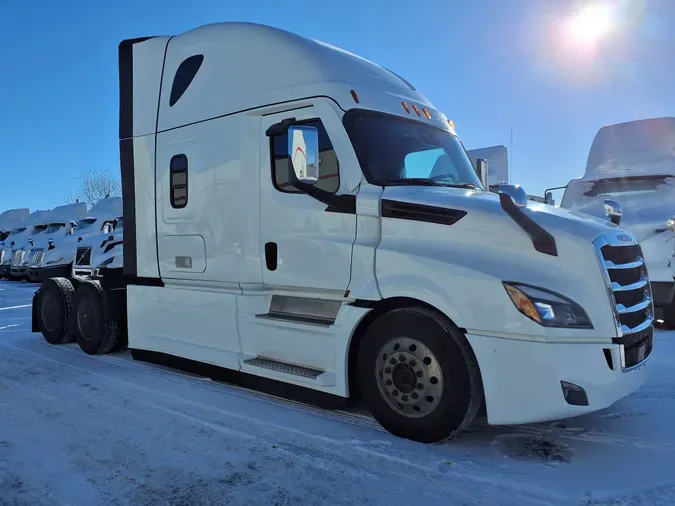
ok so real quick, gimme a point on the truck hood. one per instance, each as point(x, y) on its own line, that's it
point(644, 214)
point(485, 214)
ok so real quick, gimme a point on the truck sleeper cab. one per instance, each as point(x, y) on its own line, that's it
point(326, 229)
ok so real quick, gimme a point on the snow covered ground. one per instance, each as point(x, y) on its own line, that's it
point(82, 430)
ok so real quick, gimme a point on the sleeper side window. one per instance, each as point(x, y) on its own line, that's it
point(185, 74)
point(329, 173)
point(178, 172)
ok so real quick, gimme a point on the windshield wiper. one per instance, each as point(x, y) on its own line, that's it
point(462, 185)
point(419, 181)
point(423, 181)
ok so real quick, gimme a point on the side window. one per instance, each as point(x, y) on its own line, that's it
point(185, 74)
point(329, 173)
point(178, 172)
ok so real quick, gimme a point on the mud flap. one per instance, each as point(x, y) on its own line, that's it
point(35, 324)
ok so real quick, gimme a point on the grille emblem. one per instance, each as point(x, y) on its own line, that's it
point(624, 238)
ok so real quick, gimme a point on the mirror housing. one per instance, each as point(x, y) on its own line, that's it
point(613, 211)
point(482, 171)
point(515, 192)
point(303, 152)
point(548, 198)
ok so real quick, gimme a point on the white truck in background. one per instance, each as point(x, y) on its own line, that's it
point(67, 248)
point(62, 224)
point(393, 276)
point(37, 223)
point(10, 220)
point(16, 239)
point(497, 162)
point(101, 251)
point(633, 163)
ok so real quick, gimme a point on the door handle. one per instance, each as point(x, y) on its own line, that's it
point(271, 251)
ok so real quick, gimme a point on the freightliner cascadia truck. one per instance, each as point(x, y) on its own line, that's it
point(389, 274)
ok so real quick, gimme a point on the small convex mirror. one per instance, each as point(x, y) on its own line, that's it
point(303, 150)
point(613, 211)
point(548, 198)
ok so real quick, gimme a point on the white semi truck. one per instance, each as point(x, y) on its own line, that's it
point(101, 251)
point(425, 295)
point(66, 248)
point(16, 239)
point(37, 224)
point(634, 164)
point(62, 223)
point(10, 221)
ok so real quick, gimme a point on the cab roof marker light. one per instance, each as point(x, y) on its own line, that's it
point(355, 96)
point(416, 109)
point(405, 106)
point(426, 113)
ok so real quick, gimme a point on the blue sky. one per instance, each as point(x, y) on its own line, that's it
point(488, 64)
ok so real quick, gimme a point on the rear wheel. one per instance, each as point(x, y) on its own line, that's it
point(56, 300)
point(419, 376)
point(95, 333)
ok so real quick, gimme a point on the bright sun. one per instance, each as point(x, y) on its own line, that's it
point(590, 25)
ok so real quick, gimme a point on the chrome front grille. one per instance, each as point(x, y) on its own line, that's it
point(35, 256)
point(83, 256)
point(18, 257)
point(630, 293)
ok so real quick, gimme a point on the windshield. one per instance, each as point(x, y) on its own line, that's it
point(626, 187)
point(4, 235)
point(394, 151)
point(85, 223)
point(18, 230)
point(38, 228)
point(54, 227)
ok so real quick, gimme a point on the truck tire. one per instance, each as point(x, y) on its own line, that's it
point(94, 332)
point(56, 315)
point(419, 376)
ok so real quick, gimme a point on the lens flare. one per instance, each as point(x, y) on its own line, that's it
point(590, 25)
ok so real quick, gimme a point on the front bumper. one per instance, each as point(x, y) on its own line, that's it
point(522, 379)
point(40, 274)
point(18, 272)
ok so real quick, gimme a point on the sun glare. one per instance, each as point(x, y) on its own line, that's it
point(591, 25)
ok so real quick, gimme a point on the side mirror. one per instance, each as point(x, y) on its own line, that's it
point(548, 198)
point(613, 211)
point(482, 171)
point(303, 150)
point(515, 192)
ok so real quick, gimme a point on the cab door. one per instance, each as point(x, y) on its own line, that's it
point(306, 244)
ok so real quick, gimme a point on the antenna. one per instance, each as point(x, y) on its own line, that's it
point(511, 149)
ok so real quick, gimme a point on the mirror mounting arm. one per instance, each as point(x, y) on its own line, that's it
point(336, 203)
point(280, 128)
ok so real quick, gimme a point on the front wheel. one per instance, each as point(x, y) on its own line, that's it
point(419, 375)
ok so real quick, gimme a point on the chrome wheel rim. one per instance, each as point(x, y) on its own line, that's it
point(409, 377)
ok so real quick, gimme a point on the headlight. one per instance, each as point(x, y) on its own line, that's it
point(547, 308)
